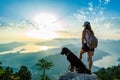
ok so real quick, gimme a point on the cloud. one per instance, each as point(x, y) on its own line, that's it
point(2, 24)
point(107, 1)
point(12, 25)
point(104, 1)
point(104, 27)
point(68, 34)
point(90, 12)
point(10, 30)
point(100, 1)
point(90, 6)
point(107, 28)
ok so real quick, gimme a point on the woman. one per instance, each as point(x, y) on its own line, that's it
point(85, 46)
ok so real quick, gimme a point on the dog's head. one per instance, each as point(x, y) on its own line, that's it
point(65, 51)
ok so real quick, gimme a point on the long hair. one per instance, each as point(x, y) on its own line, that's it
point(88, 27)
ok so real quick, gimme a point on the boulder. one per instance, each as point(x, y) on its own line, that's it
point(78, 76)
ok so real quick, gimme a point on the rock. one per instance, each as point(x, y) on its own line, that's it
point(77, 76)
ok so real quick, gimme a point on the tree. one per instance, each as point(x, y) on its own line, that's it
point(2, 71)
point(111, 73)
point(8, 73)
point(24, 73)
point(44, 65)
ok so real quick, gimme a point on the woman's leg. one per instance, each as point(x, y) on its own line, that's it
point(81, 53)
point(90, 54)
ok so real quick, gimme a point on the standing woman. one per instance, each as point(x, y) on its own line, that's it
point(85, 47)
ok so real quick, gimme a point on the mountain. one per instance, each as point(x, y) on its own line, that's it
point(10, 46)
point(16, 59)
point(110, 46)
point(118, 59)
point(60, 42)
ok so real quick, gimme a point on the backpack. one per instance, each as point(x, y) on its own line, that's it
point(92, 42)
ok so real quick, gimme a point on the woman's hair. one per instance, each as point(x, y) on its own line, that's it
point(88, 27)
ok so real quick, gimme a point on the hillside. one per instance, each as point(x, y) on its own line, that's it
point(60, 63)
point(110, 73)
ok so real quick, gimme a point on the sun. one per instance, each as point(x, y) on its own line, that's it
point(44, 26)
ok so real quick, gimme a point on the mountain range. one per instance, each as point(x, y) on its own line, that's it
point(16, 59)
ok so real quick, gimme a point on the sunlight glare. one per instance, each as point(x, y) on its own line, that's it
point(43, 18)
point(44, 26)
point(43, 47)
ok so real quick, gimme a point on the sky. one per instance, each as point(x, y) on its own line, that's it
point(40, 20)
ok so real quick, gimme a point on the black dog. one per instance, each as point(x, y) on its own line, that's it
point(75, 61)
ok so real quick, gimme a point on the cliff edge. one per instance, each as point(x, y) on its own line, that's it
point(78, 76)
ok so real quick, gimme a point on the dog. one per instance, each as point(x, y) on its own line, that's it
point(75, 62)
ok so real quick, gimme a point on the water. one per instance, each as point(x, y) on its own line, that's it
point(28, 48)
point(107, 61)
point(107, 46)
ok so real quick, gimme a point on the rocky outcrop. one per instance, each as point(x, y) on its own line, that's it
point(77, 76)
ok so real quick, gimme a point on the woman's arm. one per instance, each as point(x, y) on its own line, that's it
point(83, 36)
